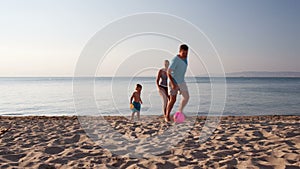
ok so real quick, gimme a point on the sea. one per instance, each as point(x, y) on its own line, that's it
point(54, 96)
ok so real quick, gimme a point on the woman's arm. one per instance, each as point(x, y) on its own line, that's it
point(158, 77)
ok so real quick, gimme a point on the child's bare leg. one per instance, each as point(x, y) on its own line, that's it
point(138, 114)
point(132, 114)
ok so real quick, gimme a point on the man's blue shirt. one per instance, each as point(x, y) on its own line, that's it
point(178, 67)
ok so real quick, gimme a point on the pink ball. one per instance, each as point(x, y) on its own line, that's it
point(179, 117)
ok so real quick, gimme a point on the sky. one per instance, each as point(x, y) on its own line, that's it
point(46, 37)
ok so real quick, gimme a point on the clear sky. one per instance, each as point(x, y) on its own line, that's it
point(45, 37)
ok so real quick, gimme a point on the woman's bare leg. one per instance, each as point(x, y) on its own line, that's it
point(164, 97)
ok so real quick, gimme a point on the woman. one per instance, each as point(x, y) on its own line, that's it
point(162, 84)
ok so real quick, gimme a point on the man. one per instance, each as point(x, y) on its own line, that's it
point(176, 73)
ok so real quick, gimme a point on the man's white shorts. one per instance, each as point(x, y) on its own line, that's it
point(180, 88)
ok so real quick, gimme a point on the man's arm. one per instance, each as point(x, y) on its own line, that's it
point(173, 84)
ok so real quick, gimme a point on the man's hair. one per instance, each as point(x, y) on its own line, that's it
point(183, 47)
point(138, 85)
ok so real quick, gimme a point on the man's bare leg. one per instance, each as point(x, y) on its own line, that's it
point(170, 107)
point(184, 100)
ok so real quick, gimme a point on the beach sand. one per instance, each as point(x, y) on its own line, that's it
point(237, 142)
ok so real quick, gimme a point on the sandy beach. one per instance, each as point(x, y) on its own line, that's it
point(238, 142)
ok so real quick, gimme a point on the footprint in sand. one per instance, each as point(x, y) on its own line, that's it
point(14, 157)
point(54, 150)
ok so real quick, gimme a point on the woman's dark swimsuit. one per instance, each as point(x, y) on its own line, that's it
point(164, 82)
point(165, 89)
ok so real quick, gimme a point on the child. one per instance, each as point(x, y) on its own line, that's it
point(137, 101)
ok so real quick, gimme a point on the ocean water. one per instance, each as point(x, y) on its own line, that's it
point(54, 96)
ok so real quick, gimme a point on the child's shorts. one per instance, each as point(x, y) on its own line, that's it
point(137, 107)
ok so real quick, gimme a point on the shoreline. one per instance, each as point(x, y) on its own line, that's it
point(201, 116)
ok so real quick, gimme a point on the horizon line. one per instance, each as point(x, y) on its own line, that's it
point(201, 75)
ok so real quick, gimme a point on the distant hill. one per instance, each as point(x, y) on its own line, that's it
point(259, 74)
point(263, 74)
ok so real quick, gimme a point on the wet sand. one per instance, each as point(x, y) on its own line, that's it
point(237, 142)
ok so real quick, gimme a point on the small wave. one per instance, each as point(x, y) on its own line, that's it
point(12, 114)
